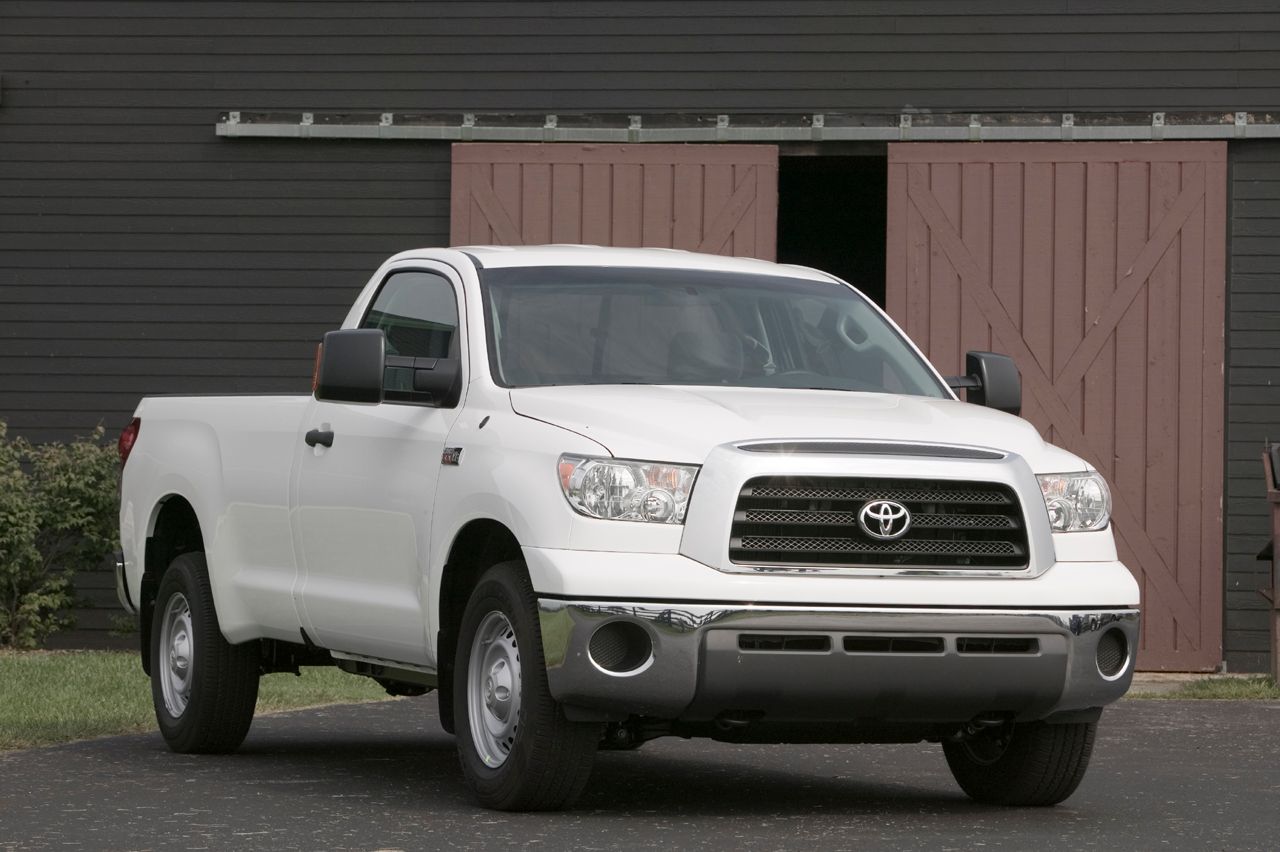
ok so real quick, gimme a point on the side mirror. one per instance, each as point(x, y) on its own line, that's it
point(992, 380)
point(350, 366)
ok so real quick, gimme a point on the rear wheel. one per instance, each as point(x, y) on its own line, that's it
point(517, 749)
point(204, 689)
point(1022, 764)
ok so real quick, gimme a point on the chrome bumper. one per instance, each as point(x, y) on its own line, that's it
point(788, 663)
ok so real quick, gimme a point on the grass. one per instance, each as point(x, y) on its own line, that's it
point(1257, 687)
point(51, 697)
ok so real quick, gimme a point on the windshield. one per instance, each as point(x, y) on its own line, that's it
point(573, 325)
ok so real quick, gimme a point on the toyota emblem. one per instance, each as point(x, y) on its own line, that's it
point(884, 520)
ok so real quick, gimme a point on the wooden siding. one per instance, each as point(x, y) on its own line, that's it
point(1100, 268)
point(100, 623)
point(216, 273)
point(637, 55)
point(1253, 394)
point(719, 199)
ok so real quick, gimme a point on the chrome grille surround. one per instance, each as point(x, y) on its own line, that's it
point(864, 448)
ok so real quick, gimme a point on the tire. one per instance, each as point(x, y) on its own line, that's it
point(517, 749)
point(1031, 764)
point(203, 688)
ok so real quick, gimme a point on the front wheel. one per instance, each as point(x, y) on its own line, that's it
point(204, 689)
point(517, 749)
point(1022, 764)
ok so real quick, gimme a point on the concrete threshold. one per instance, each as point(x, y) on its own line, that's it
point(1165, 682)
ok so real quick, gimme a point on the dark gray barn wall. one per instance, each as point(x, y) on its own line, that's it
point(141, 254)
point(613, 55)
point(185, 265)
point(1253, 394)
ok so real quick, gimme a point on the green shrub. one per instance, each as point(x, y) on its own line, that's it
point(58, 505)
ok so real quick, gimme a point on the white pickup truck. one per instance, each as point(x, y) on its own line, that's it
point(597, 496)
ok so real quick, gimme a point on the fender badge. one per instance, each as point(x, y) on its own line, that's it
point(451, 456)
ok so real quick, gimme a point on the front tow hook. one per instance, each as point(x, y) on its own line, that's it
point(316, 436)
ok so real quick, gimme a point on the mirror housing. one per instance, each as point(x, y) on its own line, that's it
point(351, 365)
point(435, 381)
point(992, 380)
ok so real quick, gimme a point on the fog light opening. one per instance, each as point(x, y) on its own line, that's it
point(1113, 654)
point(621, 648)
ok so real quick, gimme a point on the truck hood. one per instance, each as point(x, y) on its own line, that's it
point(682, 424)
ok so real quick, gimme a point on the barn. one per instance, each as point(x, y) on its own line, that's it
point(191, 194)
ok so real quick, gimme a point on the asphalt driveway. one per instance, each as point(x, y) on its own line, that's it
point(1165, 775)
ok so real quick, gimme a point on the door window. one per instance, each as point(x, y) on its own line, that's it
point(418, 313)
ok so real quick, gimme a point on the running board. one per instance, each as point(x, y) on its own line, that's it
point(388, 672)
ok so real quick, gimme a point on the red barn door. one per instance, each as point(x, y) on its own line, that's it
point(1100, 267)
point(721, 199)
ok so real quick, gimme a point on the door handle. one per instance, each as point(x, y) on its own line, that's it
point(315, 436)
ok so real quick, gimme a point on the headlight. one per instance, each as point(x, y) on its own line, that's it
point(624, 490)
point(1076, 502)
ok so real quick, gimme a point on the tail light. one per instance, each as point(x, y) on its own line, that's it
point(127, 439)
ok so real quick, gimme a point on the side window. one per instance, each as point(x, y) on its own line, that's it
point(418, 314)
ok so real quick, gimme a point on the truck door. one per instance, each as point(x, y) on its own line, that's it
point(362, 505)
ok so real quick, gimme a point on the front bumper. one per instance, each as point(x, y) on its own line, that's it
point(833, 664)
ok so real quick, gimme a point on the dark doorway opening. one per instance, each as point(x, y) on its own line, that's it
point(831, 216)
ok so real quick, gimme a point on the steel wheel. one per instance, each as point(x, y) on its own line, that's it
point(493, 689)
point(203, 688)
point(517, 749)
point(176, 654)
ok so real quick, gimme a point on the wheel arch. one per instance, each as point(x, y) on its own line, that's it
point(174, 529)
point(480, 544)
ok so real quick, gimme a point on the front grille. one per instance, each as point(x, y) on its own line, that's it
point(789, 520)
